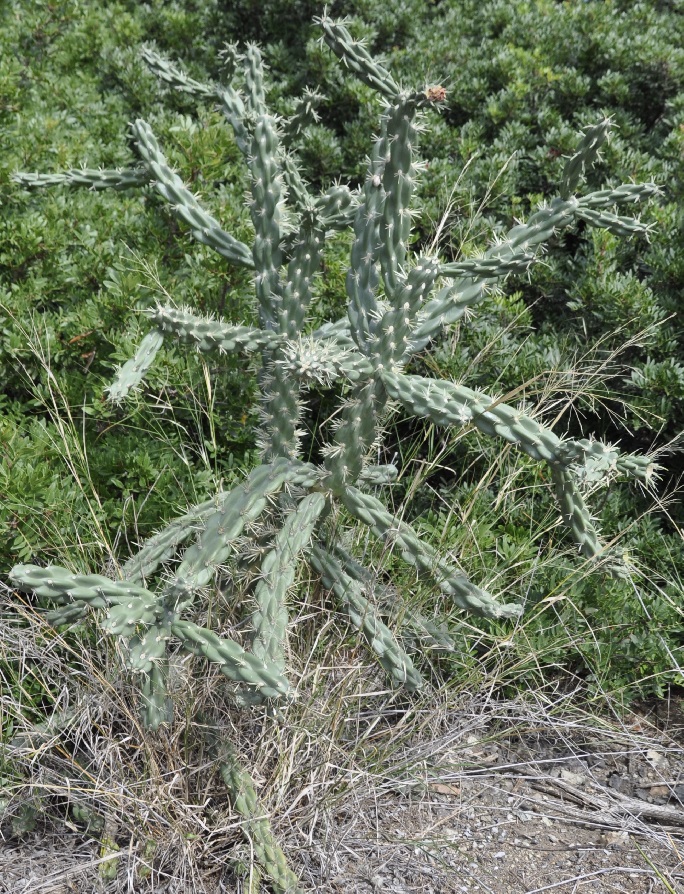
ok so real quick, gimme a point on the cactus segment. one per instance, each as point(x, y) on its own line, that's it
point(393, 658)
point(124, 178)
point(356, 433)
point(133, 371)
point(234, 110)
point(430, 634)
point(211, 335)
point(397, 142)
point(174, 76)
point(157, 707)
point(256, 826)
point(277, 576)
point(323, 362)
point(297, 190)
point(575, 513)
point(453, 583)
point(162, 546)
point(297, 295)
point(620, 226)
point(451, 302)
point(397, 324)
point(446, 403)
point(54, 582)
point(66, 614)
point(305, 112)
point(146, 650)
point(619, 195)
point(233, 661)
point(362, 277)
point(516, 261)
point(223, 526)
point(377, 476)
point(267, 212)
point(254, 81)
point(337, 207)
point(184, 205)
point(587, 153)
point(357, 59)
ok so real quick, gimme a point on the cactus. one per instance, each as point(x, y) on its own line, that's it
point(397, 302)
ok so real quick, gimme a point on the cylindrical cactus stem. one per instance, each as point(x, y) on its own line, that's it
point(397, 324)
point(620, 226)
point(446, 403)
point(451, 302)
point(209, 335)
point(337, 331)
point(133, 371)
point(243, 504)
point(490, 267)
point(256, 826)
point(174, 76)
point(148, 649)
point(396, 147)
point(234, 110)
point(255, 94)
point(313, 360)
point(95, 590)
point(184, 205)
point(362, 277)
point(575, 513)
point(163, 545)
point(267, 212)
point(357, 58)
point(356, 433)
point(278, 568)
point(619, 195)
point(304, 113)
point(297, 190)
point(233, 661)
point(281, 410)
point(336, 207)
point(296, 295)
point(414, 551)
point(89, 178)
point(156, 706)
point(393, 658)
point(587, 152)
point(429, 632)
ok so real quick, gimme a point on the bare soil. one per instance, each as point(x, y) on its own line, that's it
point(507, 799)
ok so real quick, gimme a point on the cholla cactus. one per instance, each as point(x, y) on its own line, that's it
point(396, 303)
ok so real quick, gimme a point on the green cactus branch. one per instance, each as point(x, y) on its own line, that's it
point(133, 371)
point(174, 76)
point(393, 658)
point(88, 178)
point(256, 826)
point(278, 568)
point(357, 59)
point(184, 205)
point(414, 551)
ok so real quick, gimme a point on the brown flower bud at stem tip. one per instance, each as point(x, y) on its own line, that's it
point(436, 94)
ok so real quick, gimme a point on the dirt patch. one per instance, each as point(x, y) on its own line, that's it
point(500, 801)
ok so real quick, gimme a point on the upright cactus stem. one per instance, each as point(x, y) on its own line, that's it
point(397, 301)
